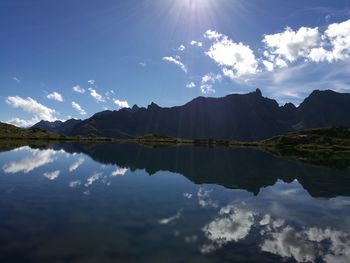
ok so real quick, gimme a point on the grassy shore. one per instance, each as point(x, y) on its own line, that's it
point(328, 147)
point(324, 146)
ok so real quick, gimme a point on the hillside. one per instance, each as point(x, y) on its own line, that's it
point(11, 132)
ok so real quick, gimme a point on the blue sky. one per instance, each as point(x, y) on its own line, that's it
point(63, 59)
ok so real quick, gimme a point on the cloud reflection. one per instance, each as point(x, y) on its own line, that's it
point(232, 224)
point(168, 220)
point(75, 165)
point(119, 171)
point(307, 244)
point(90, 180)
point(38, 159)
point(52, 175)
point(204, 199)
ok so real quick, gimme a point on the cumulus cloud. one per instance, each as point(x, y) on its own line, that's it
point(98, 97)
point(52, 175)
point(190, 85)
point(337, 38)
point(91, 82)
point(181, 48)
point(78, 89)
point(30, 105)
point(177, 62)
point(236, 58)
point(308, 44)
point(196, 43)
point(121, 103)
point(77, 107)
point(290, 45)
point(55, 96)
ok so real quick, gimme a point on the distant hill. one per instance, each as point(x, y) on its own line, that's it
point(60, 127)
point(243, 117)
point(8, 131)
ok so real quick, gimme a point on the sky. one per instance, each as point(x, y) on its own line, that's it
point(72, 58)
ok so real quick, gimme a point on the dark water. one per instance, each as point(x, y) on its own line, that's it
point(126, 203)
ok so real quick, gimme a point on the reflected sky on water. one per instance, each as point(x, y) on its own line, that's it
point(123, 202)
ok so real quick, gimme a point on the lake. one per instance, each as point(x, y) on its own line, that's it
point(109, 202)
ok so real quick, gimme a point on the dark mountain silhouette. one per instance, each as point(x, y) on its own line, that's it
point(242, 117)
point(60, 127)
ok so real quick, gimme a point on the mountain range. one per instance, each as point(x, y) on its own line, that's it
point(244, 117)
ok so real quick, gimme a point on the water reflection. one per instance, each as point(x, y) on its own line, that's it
point(233, 168)
point(98, 202)
point(37, 159)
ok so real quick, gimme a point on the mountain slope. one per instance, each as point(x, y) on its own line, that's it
point(243, 117)
point(60, 127)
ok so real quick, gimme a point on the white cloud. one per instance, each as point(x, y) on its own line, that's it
point(290, 45)
point(22, 123)
point(55, 96)
point(196, 43)
point(78, 108)
point(119, 171)
point(208, 81)
point(98, 97)
point(337, 37)
point(207, 89)
point(16, 79)
point(142, 64)
point(78, 89)
point(91, 82)
point(177, 62)
point(181, 48)
point(75, 165)
point(238, 58)
point(53, 175)
point(121, 103)
point(211, 34)
point(30, 105)
point(190, 85)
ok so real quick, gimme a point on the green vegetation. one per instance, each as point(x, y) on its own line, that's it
point(12, 135)
point(325, 146)
point(154, 140)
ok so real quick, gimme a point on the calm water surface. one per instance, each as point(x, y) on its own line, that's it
point(126, 203)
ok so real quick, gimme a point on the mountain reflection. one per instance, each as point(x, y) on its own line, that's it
point(236, 168)
point(204, 205)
